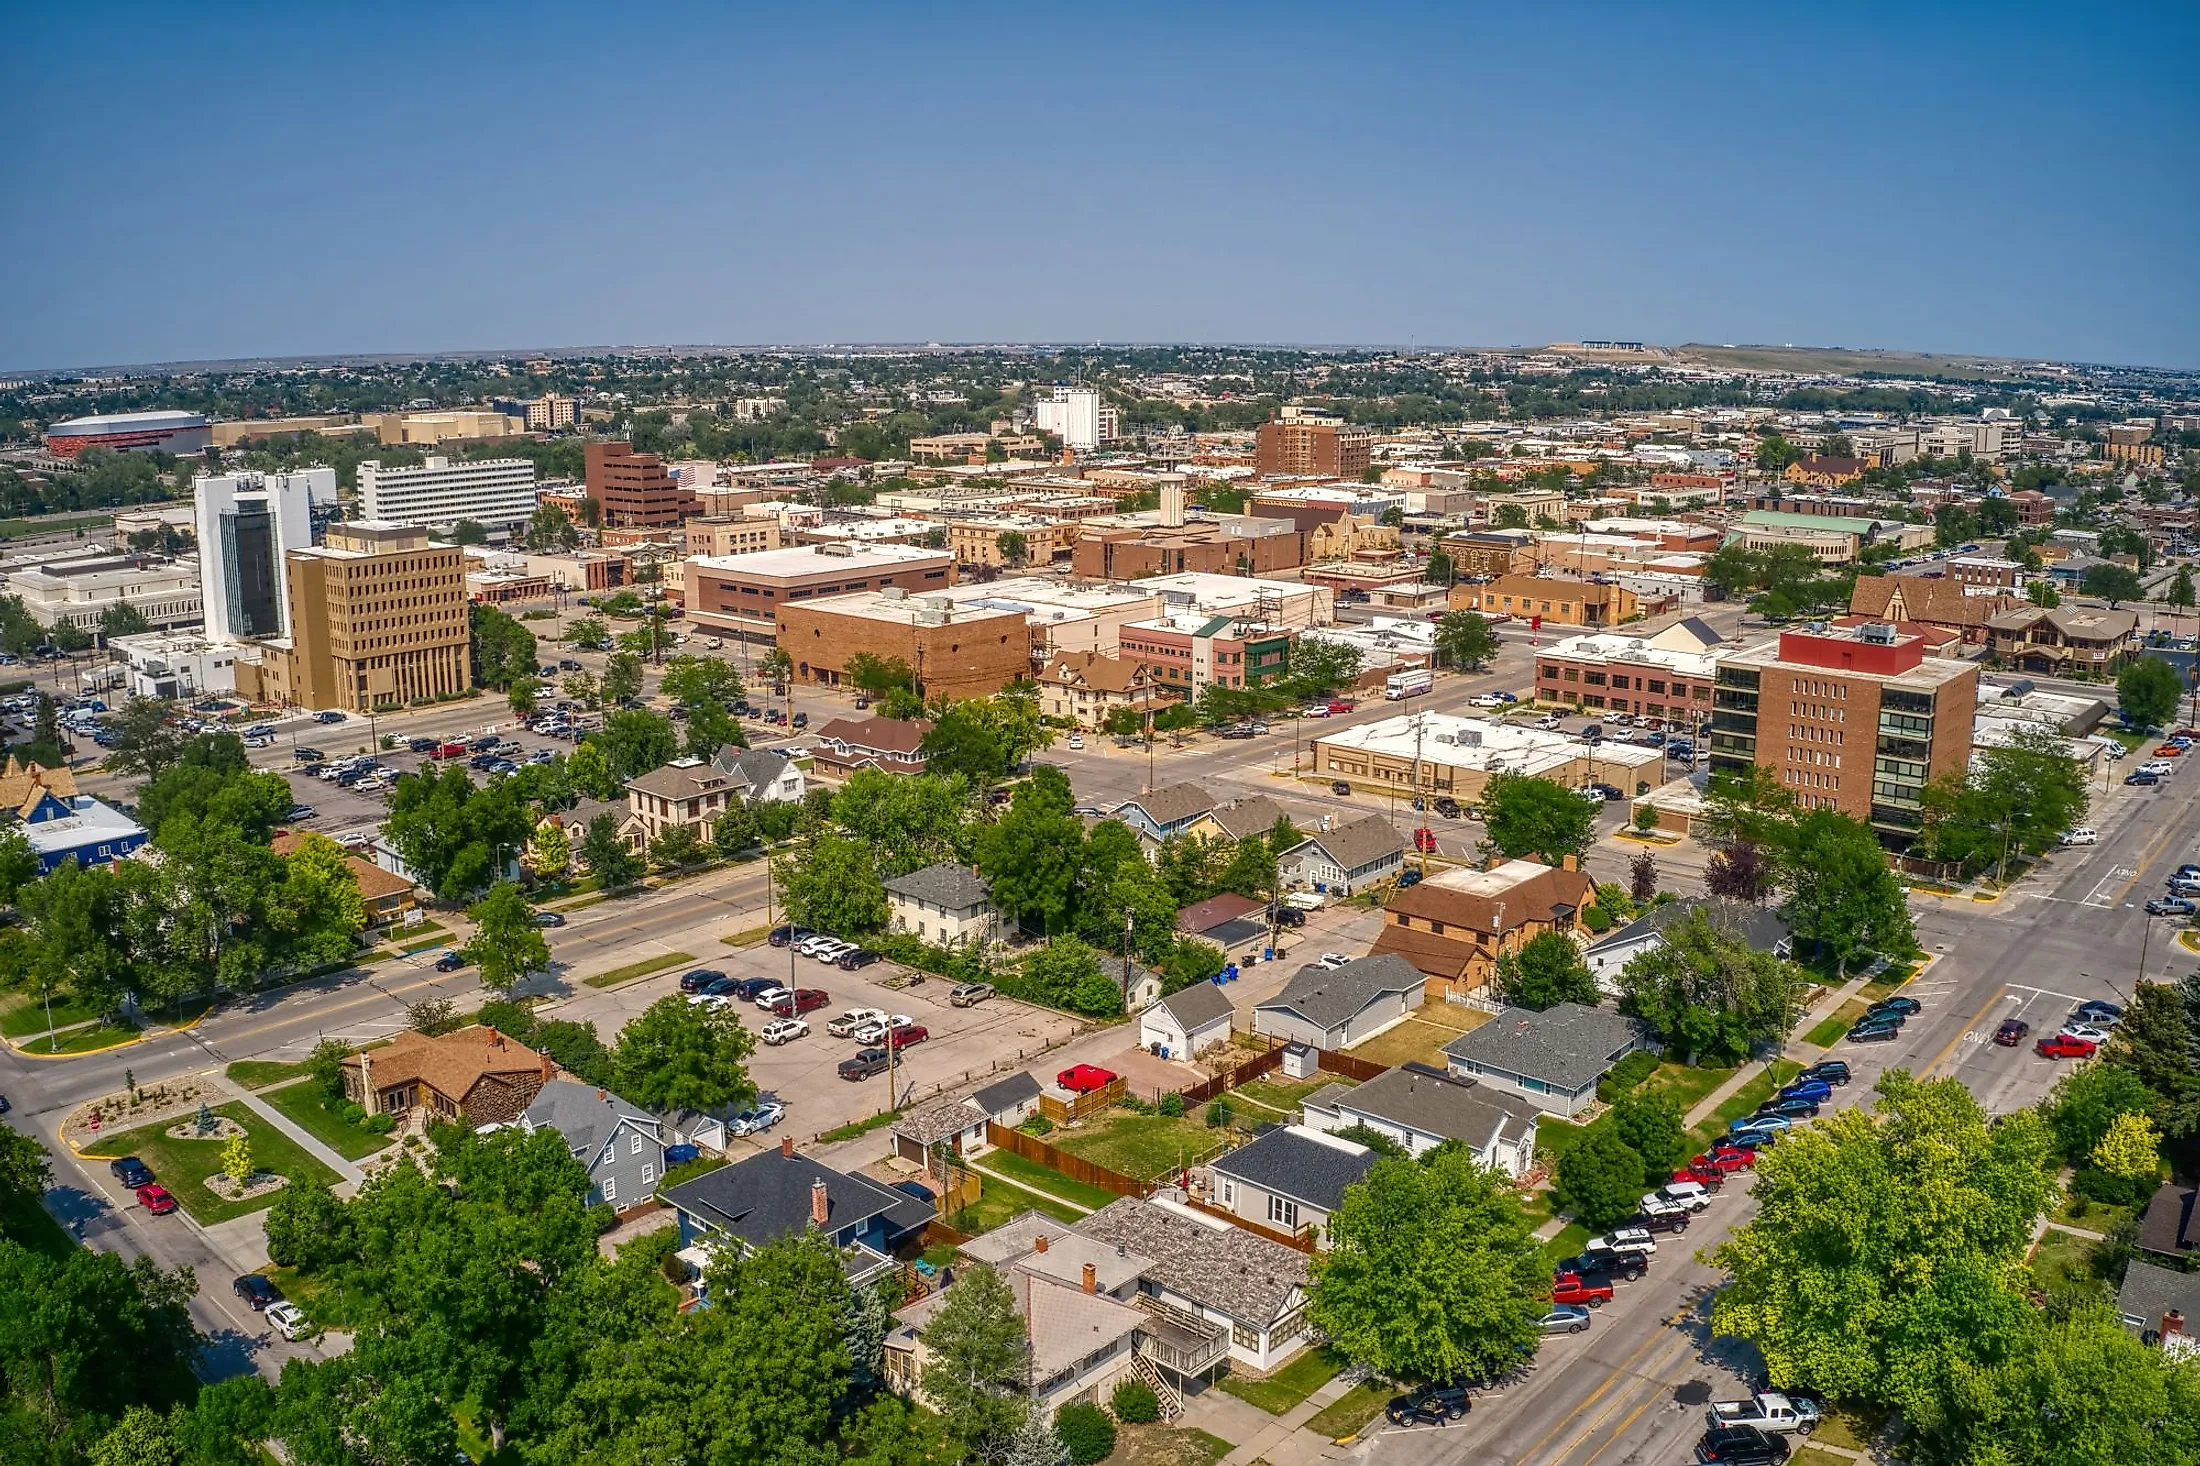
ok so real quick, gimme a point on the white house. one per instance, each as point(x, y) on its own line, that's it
point(947, 905)
point(1334, 1008)
point(1421, 1108)
point(1187, 1021)
point(1350, 858)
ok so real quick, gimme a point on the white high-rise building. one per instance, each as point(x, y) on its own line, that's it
point(1077, 416)
point(247, 524)
point(491, 492)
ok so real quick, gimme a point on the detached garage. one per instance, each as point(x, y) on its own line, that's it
point(1199, 1017)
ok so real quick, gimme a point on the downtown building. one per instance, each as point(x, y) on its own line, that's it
point(380, 622)
point(1851, 718)
point(495, 493)
point(247, 524)
point(634, 488)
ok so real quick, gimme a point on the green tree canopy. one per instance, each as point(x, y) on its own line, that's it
point(2147, 691)
point(680, 1056)
point(1531, 816)
point(1709, 995)
point(1545, 969)
point(1600, 1178)
point(506, 945)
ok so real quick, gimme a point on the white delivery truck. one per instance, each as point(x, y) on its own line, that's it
point(1401, 685)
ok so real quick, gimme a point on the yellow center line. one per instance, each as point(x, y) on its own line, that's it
point(1939, 1058)
point(2139, 869)
point(1617, 1373)
point(1646, 1376)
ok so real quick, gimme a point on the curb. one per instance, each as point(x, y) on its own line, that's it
point(80, 1053)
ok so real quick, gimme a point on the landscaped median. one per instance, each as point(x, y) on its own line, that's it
point(634, 970)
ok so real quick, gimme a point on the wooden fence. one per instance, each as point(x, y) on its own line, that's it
point(1298, 1241)
point(1077, 1168)
point(1328, 1061)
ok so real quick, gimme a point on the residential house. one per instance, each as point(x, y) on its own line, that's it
point(1239, 819)
point(1201, 1271)
point(1348, 859)
point(1089, 685)
point(1454, 925)
point(1011, 1101)
point(1237, 924)
point(1290, 1179)
point(690, 794)
point(60, 824)
point(1337, 1007)
point(958, 1125)
point(1760, 926)
point(1421, 1108)
point(2161, 1305)
point(892, 745)
point(1188, 1020)
point(1172, 809)
point(2063, 640)
point(476, 1076)
point(1554, 1058)
point(2169, 1230)
point(947, 905)
point(778, 1193)
point(386, 894)
point(621, 1145)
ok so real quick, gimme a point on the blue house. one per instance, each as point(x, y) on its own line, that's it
point(63, 827)
point(778, 1193)
point(1160, 813)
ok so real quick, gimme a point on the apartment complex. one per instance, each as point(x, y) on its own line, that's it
point(1188, 652)
point(1853, 718)
point(740, 595)
point(1301, 444)
point(247, 524)
point(496, 493)
point(634, 488)
point(1077, 416)
point(956, 650)
point(380, 620)
point(732, 534)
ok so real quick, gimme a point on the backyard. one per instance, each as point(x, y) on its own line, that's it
point(1421, 1038)
point(1151, 1144)
point(1035, 1177)
point(1278, 1392)
point(999, 1202)
point(183, 1165)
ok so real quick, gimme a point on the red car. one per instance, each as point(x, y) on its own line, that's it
point(156, 1200)
point(2012, 1032)
point(1569, 1288)
point(1342, 705)
point(1424, 840)
point(2063, 1046)
point(1708, 1178)
point(907, 1034)
point(1085, 1078)
point(1725, 1162)
point(800, 1001)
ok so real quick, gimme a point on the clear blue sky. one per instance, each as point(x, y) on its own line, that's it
point(227, 180)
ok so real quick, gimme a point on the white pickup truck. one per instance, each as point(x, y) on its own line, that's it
point(1767, 1410)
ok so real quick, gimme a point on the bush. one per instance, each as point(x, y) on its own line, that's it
point(1085, 1432)
point(1626, 1074)
point(1646, 818)
point(1171, 1106)
point(2112, 1190)
point(1594, 918)
point(1037, 1125)
point(1135, 1403)
point(1218, 1115)
point(354, 1114)
point(381, 1124)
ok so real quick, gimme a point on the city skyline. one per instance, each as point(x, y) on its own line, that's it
point(1965, 181)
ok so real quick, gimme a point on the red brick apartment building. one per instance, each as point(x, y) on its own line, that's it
point(634, 488)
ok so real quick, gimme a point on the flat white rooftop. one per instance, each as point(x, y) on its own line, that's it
point(1484, 744)
point(817, 559)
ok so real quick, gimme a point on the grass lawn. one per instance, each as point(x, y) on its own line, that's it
point(1554, 1137)
point(633, 970)
point(305, 1106)
point(11, 529)
point(1288, 1385)
point(2063, 1261)
point(2093, 1216)
point(1849, 1426)
point(260, 1073)
point(1536, 1207)
point(999, 1202)
point(1567, 1243)
point(1685, 1083)
point(1046, 1179)
point(323, 1297)
point(1827, 1032)
point(1742, 1101)
point(84, 1040)
point(1351, 1411)
point(183, 1165)
point(25, 1016)
point(1282, 1095)
point(1888, 983)
point(1812, 1456)
point(1421, 1038)
point(1144, 1146)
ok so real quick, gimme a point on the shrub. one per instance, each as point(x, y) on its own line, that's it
point(2112, 1190)
point(1646, 818)
point(1594, 918)
point(1218, 1114)
point(1037, 1125)
point(354, 1114)
point(1135, 1403)
point(1626, 1074)
point(381, 1124)
point(1134, 1104)
point(1172, 1106)
point(1085, 1432)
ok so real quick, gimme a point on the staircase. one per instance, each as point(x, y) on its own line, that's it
point(1172, 1400)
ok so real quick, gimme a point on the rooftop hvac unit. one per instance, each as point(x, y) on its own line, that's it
point(1469, 738)
point(894, 593)
point(1879, 633)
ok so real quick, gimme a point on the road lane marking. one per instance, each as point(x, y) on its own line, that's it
point(1616, 1374)
point(1976, 1018)
point(1674, 1346)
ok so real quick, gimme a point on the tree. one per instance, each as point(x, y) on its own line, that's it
point(1651, 1123)
point(454, 834)
point(307, 1227)
point(1432, 1271)
point(909, 820)
point(589, 633)
point(604, 851)
point(590, 772)
point(1842, 895)
point(2042, 593)
point(1545, 969)
point(141, 1438)
point(980, 1360)
point(507, 945)
point(2018, 796)
point(2147, 690)
point(2114, 584)
point(1708, 995)
point(1532, 816)
point(1882, 1255)
point(1086, 1433)
point(124, 619)
point(1014, 546)
point(1035, 1442)
point(503, 648)
point(2087, 1100)
point(1033, 854)
point(2181, 595)
point(634, 741)
point(735, 831)
point(675, 848)
point(1465, 640)
point(692, 680)
point(237, 1158)
point(550, 851)
point(146, 741)
point(622, 678)
point(710, 728)
point(963, 743)
point(2155, 1042)
point(677, 1056)
point(1739, 872)
point(2131, 1151)
point(834, 885)
point(1642, 878)
point(522, 696)
point(1321, 667)
point(1599, 1179)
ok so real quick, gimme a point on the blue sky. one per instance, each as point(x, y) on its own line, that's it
point(229, 180)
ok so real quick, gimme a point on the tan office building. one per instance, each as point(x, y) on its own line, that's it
point(378, 619)
point(1302, 446)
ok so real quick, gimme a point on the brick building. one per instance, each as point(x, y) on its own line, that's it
point(740, 595)
point(1309, 445)
point(1854, 718)
point(1189, 652)
point(476, 1076)
point(1658, 677)
point(378, 619)
point(956, 650)
point(1088, 686)
point(1241, 547)
point(634, 488)
point(1558, 602)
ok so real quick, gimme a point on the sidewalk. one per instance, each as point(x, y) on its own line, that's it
point(346, 1169)
point(1281, 1440)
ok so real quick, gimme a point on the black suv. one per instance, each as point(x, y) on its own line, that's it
point(1833, 1071)
point(1430, 1405)
point(861, 957)
point(1625, 1264)
point(782, 935)
point(700, 978)
point(132, 1172)
point(1448, 807)
point(1287, 916)
point(1672, 1221)
point(1744, 1445)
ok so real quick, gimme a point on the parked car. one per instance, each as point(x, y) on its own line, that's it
point(784, 1030)
point(1723, 1160)
point(1833, 1071)
point(1430, 1405)
point(1790, 1109)
point(1759, 1123)
point(2141, 777)
point(1448, 807)
point(1767, 1410)
point(288, 1320)
point(1565, 1318)
point(781, 935)
point(902, 1035)
point(1085, 1078)
point(298, 813)
point(1905, 1006)
point(769, 996)
point(801, 1001)
point(1339, 786)
point(131, 1172)
point(758, 1118)
point(854, 1018)
point(450, 961)
point(2096, 1011)
point(1333, 960)
point(1817, 1091)
point(1693, 1195)
point(696, 979)
point(969, 994)
point(1691, 1175)
point(549, 918)
point(155, 1199)
point(2013, 1031)
point(2083, 835)
point(1604, 1267)
point(1663, 1219)
point(1572, 1288)
point(1873, 1033)
point(1742, 1445)
point(257, 1289)
point(1622, 1239)
point(863, 1064)
point(2171, 906)
point(855, 958)
point(2085, 1032)
point(1289, 916)
point(2062, 1046)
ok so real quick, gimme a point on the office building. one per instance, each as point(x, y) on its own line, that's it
point(1664, 676)
point(740, 595)
point(425, 429)
point(380, 621)
point(1545, 599)
point(634, 488)
point(1300, 443)
point(1190, 651)
point(1078, 417)
point(81, 589)
point(248, 524)
point(495, 493)
point(130, 432)
point(1853, 718)
point(968, 650)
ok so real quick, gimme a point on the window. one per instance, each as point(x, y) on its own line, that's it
point(634, 1146)
point(649, 1173)
point(1284, 1214)
point(610, 1189)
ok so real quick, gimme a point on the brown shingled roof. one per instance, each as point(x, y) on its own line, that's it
point(452, 1064)
point(1100, 673)
point(1936, 602)
point(374, 882)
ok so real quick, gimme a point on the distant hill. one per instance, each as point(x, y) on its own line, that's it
point(1846, 360)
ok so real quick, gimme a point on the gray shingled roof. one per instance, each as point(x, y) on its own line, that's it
point(1198, 1005)
point(756, 768)
point(1002, 1094)
point(1172, 804)
point(1760, 926)
point(1419, 1098)
point(2150, 1291)
point(767, 1197)
point(1362, 842)
point(1567, 1045)
point(1328, 997)
point(583, 1114)
point(947, 885)
point(1255, 814)
point(1222, 1266)
point(1290, 1163)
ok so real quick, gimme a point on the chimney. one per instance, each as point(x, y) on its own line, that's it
point(820, 1204)
point(1039, 1243)
point(2173, 1323)
point(549, 1068)
point(1092, 1278)
point(496, 1040)
point(786, 1147)
point(1568, 862)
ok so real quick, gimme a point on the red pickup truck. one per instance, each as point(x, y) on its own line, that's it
point(1342, 705)
point(1569, 1288)
point(451, 750)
